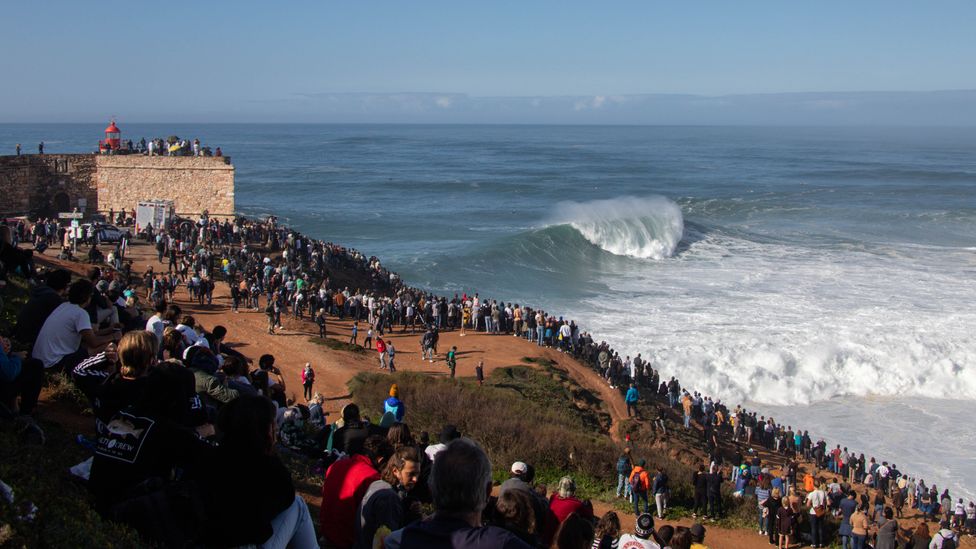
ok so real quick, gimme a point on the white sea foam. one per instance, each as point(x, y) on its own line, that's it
point(643, 228)
point(803, 332)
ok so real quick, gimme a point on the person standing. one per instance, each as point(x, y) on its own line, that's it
point(640, 483)
point(661, 491)
point(624, 467)
point(632, 397)
point(320, 321)
point(817, 500)
point(391, 352)
point(354, 335)
point(479, 372)
point(452, 360)
point(308, 379)
point(381, 352)
point(18, 149)
point(40, 148)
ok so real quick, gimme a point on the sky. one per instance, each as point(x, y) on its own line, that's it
point(467, 61)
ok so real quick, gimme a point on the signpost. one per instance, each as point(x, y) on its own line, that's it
point(75, 231)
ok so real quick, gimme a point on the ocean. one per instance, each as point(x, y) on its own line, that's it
point(824, 276)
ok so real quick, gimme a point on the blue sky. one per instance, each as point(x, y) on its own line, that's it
point(83, 61)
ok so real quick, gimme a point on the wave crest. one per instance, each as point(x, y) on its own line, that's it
point(644, 228)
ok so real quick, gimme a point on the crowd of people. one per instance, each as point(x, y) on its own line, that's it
point(204, 399)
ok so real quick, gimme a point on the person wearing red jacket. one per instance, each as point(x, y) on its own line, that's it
point(381, 351)
point(345, 484)
point(561, 505)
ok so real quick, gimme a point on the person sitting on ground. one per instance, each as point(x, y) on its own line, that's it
point(234, 372)
point(574, 533)
point(460, 483)
point(384, 506)
point(521, 479)
point(44, 299)
point(252, 500)
point(561, 504)
point(216, 341)
point(345, 483)
point(607, 532)
point(697, 532)
point(513, 511)
point(203, 364)
point(394, 405)
point(67, 334)
point(448, 433)
point(145, 445)
point(350, 437)
point(643, 536)
point(19, 377)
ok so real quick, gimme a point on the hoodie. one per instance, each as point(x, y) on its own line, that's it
point(394, 406)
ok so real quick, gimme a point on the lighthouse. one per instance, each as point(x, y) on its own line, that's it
point(113, 139)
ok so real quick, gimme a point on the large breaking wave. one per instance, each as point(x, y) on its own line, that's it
point(643, 228)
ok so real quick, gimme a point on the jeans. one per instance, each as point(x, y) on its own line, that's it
point(539, 331)
point(816, 530)
point(631, 409)
point(661, 502)
point(763, 523)
point(858, 542)
point(637, 496)
point(714, 505)
point(846, 542)
point(623, 487)
point(292, 528)
point(687, 421)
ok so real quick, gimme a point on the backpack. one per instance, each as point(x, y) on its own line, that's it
point(948, 543)
point(622, 465)
point(637, 484)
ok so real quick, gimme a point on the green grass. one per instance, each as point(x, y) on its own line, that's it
point(15, 295)
point(39, 474)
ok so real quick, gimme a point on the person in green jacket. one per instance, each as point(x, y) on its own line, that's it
point(452, 360)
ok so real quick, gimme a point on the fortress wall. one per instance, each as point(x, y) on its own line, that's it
point(194, 183)
point(43, 185)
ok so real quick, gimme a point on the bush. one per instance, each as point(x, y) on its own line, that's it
point(521, 414)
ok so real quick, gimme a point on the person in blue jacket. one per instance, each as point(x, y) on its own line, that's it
point(632, 397)
point(394, 405)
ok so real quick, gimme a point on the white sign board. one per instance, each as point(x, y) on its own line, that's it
point(70, 215)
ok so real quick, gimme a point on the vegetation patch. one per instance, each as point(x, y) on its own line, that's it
point(39, 474)
point(337, 345)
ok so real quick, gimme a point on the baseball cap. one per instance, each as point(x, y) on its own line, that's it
point(519, 468)
point(697, 532)
point(645, 525)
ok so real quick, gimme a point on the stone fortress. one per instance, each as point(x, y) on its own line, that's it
point(44, 185)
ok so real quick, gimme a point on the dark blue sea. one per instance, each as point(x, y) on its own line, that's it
point(824, 275)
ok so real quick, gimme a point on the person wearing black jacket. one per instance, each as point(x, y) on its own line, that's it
point(700, 482)
point(251, 499)
point(43, 300)
point(714, 490)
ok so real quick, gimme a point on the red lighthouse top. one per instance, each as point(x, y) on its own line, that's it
point(113, 137)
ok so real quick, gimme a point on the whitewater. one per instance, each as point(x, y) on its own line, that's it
point(798, 331)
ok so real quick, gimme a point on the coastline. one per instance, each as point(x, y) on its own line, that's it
point(338, 371)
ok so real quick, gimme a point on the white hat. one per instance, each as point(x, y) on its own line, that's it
point(519, 468)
